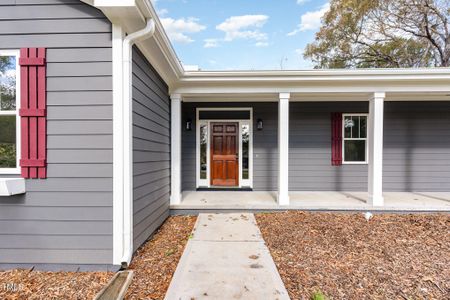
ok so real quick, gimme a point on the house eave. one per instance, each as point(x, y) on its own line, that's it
point(131, 15)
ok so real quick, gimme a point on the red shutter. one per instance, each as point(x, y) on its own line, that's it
point(33, 112)
point(336, 139)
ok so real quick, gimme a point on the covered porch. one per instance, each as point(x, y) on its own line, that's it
point(339, 201)
point(284, 153)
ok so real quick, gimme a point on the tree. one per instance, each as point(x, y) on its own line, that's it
point(383, 34)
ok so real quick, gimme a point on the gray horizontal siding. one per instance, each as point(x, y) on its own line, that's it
point(416, 146)
point(310, 166)
point(67, 218)
point(151, 149)
point(265, 144)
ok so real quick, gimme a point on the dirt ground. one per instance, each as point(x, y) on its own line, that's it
point(344, 256)
point(27, 284)
point(155, 262)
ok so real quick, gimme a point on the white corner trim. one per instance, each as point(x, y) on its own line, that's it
point(375, 143)
point(123, 140)
point(12, 186)
point(283, 149)
point(175, 153)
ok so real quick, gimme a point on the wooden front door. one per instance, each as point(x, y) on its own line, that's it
point(224, 154)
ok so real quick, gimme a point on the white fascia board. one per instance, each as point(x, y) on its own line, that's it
point(12, 186)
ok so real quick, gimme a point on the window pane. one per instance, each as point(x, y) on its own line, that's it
point(363, 126)
point(354, 150)
point(7, 82)
point(7, 141)
point(348, 124)
point(203, 150)
point(245, 150)
point(355, 131)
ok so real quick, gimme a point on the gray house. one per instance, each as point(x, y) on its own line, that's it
point(103, 134)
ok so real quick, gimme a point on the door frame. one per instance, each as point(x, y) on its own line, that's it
point(206, 183)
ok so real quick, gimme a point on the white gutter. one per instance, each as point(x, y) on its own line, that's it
point(127, 61)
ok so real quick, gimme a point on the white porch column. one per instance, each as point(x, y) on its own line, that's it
point(175, 154)
point(283, 149)
point(375, 127)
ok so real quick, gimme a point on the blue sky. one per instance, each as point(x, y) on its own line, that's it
point(241, 34)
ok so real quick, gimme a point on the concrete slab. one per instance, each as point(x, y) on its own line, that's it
point(226, 259)
point(226, 227)
point(313, 200)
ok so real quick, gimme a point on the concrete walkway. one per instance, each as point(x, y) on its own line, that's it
point(226, 259)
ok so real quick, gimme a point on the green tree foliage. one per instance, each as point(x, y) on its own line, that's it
point(7, 141)
point(383, 34)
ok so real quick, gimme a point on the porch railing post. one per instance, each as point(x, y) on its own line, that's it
point(375, 184)
point(175, 153)
point(283, 149)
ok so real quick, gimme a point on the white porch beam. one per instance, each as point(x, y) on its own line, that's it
point(283, 149)
point(175, 155)
point(375, 126)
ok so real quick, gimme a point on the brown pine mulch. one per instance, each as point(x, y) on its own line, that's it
point(155, 262)
point(344, 256)
point(29, 284)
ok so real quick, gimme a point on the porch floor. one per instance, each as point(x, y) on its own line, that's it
point(237, 200)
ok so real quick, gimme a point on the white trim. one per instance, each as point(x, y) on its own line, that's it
point(118, 144)
point(175, 145)
point(12, 186)
point(355, 139)
point(283, 149)
point(123, 140)
point(375, 134)
point(206, 183)
point(16, 170)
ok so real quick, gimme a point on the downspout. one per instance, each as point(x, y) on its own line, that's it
point(128, 42)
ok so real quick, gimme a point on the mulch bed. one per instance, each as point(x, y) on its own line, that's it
point(155, 262)
point(344, 256)
point(29, 284)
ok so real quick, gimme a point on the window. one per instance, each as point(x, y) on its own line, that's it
point(355, 138)
point(203, 151)
point(9, 119)
point(245, 150)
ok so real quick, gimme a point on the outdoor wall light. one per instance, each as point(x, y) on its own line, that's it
point(188, 125)
point(259, 124)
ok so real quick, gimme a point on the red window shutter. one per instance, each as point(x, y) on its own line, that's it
point(336, 139)
point(33, 112)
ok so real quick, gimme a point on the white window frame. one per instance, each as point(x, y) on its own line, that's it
point(206, 183)
point(16, 170)
point(355, 139)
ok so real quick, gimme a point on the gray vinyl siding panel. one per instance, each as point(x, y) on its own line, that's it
point(66, 218)
point(310, 166)
point(417, 146)
point(151, 149)
point(265, 144)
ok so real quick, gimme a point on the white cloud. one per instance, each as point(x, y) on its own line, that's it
point(300, 2)
point(162, 12)
point(244, 27)
point(178, 29)
point(299, 51)
point(311, 20)
point(262, 44)
point(211, 43)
